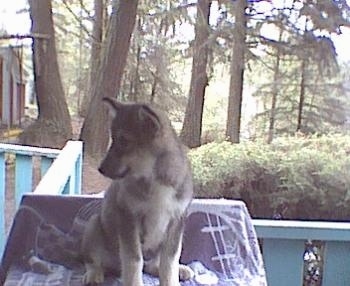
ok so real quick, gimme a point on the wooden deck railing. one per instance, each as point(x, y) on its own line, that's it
point(283, 246)
point(60, 172)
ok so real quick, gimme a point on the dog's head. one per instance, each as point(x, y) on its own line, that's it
point(133, 130)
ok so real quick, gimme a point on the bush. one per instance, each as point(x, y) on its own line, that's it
point(294, 177)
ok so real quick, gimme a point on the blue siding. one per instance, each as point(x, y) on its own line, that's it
point(23, 176)
point(78, 174)
point(2, 201)
point(283, 267)
point(46, 162)
point(337, 263)
point(283, 248)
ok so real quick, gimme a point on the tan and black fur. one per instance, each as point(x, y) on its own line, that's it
point(141, 222)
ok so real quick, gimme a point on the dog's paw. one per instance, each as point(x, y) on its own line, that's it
point(185, 272)
point(93, 276)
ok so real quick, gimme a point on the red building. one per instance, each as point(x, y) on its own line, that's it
point(12, 87)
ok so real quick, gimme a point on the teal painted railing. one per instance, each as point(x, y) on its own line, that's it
point(61, 172)
point(283, 246)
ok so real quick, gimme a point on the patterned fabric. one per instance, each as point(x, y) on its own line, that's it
point(220, 244)
point(62, 276)
point(237, 251)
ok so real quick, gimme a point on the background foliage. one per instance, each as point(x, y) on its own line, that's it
point(159, 62)
point(294, 177)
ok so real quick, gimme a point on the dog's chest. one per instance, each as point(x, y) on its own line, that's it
point(157, 212)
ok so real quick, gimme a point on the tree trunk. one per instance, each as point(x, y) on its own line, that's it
point(275, 84)
point(301, 95)
point(192, 126)
point(95, 57)
point(154, 88)
point(274, 100)
point(136, 83)
point(53, 126)
point(95, 128)
point(135, 77)
point(233, 124)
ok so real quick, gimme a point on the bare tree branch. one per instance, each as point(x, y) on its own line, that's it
point(27, 36)
point(76, 18)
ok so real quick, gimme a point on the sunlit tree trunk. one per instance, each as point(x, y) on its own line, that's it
point(135, 76)
point(301, 94)
point(96, 47)
point(95, 128)
point(192, 126)
point(275, 89)
point(233, 124)
point(53, 126)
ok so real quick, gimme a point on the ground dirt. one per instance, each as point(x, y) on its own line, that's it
point(93, 181)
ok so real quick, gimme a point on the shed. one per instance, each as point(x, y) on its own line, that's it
point(12, 86)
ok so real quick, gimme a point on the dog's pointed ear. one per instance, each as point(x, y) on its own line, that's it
point(112, 104)
point(150, 120)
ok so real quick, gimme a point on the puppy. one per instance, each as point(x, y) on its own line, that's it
point(141, 222)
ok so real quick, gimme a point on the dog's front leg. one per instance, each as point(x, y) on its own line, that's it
point(170, 271)
point(130, 252)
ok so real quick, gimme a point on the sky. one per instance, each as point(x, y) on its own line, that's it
point(15, 23)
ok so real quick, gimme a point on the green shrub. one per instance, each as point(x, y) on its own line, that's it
point(296, 177)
